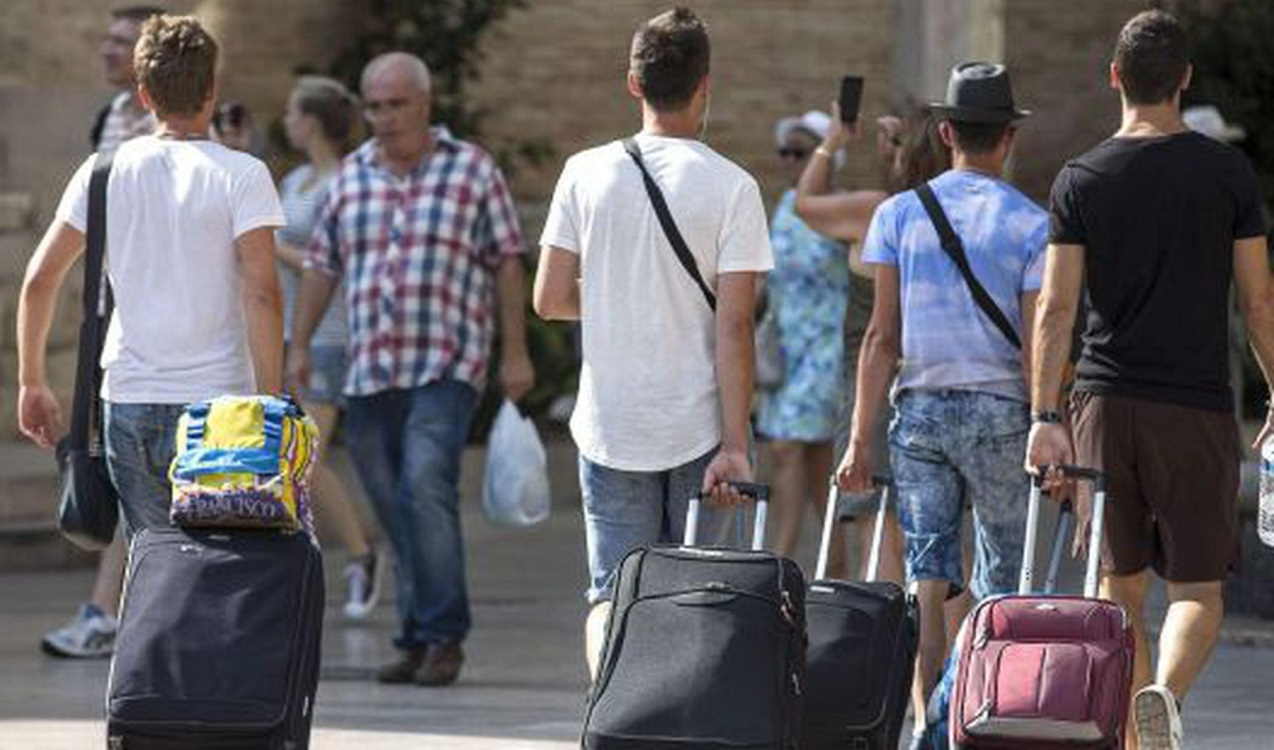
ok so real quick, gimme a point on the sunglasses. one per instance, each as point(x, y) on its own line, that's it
point(793, 153)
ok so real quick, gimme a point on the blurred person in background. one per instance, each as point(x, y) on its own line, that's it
point(233, 126)
point(91, 632)
point(806, 295)
point(319, 121)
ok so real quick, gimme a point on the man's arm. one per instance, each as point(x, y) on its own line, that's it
point(39, 416)
point(1252, 279)
point(1028, 302)
point(557, 284)
point(517, 376)
point(877, 364)
point(736, 303)
point(262, 306)
point(1049, 444)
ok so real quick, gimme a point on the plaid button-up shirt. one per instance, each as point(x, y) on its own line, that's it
point(418, 254)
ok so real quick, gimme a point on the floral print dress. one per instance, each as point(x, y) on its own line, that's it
point(808, 290)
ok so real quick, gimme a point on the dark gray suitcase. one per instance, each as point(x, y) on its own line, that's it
point(705, 649)
point(862, 651)
point(218, 642)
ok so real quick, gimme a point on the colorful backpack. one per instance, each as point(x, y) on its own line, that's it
point(243, 461)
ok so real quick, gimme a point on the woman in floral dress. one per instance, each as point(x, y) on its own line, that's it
point(807, 293)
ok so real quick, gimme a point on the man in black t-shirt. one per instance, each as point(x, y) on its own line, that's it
point(1153, 224)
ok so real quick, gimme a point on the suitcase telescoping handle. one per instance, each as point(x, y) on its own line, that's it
point(1098, 480)
point(881, 481)
point(758, 492)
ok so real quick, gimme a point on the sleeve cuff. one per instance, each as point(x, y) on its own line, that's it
point(74, 222)
point(561, 243)
point(268, 220)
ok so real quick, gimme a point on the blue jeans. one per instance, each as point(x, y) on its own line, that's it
point(141, 441)
point(407, 445)
point(624, 510)
point(948, 448)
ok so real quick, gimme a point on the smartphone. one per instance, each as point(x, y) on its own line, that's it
point(851, 95)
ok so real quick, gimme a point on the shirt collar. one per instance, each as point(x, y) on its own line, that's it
point(443, 141)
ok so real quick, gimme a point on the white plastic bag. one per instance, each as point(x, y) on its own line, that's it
point(515, 485)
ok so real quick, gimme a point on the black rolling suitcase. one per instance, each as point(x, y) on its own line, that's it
point(862, 650)
point(704, 649)
point(218, 642)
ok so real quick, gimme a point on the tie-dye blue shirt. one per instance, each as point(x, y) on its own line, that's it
point(947, 341)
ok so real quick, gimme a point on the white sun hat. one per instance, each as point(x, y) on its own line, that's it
point(1207, 120)
point(814, 121)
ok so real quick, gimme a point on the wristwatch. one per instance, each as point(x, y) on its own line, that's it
point(1046, 417)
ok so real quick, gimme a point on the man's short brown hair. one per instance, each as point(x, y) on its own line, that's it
point(176, 60)
point(1152, 55)
point(669, 56)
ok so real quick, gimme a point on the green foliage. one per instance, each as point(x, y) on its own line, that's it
point(1234, 70)
point(447, 35)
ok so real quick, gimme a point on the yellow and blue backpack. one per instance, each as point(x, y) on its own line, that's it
point(243, 461)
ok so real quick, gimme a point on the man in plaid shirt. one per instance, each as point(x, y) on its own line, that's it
point(423, 230)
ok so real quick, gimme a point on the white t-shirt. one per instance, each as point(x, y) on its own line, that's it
point(173, 211)
point(648, 398)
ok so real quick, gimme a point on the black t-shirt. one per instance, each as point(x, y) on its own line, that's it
point(1158, 218)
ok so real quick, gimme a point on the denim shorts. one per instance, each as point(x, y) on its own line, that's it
point(624, 510)
point(328, 367)
point(950, 447)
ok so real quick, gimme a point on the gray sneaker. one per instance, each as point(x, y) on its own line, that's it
point(1158, 721)
point(363, 579)
point(89, 635)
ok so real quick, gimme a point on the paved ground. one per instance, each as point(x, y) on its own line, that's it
point(522, 688)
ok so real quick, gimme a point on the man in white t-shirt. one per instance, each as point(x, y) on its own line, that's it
point(190, 257)
point(666, 384)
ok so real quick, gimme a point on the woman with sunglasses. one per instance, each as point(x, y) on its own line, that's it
point(807, 293)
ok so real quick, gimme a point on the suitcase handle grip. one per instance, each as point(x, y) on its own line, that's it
point(1070, 471)
point(753, 490)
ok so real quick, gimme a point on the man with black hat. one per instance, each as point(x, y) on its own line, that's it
point(950, 340)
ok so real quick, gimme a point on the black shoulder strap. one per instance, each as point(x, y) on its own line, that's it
point(955, 249)
point(97, 304)
point(99, 125)
point(670, 227)
point(95, 234)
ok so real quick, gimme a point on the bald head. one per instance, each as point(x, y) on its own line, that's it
point(398, 67)
point(396, 104)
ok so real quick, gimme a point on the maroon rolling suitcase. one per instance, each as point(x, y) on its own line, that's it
point(1041, 671)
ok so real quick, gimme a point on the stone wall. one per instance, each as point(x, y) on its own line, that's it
point(1060, 60)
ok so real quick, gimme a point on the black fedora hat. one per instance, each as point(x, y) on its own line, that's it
point(978, 92)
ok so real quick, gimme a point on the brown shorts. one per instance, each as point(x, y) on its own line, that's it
point(1173, 483)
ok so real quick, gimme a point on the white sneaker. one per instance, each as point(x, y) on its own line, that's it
point(89, 635)
point(1157, 718)
point(363, 578)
